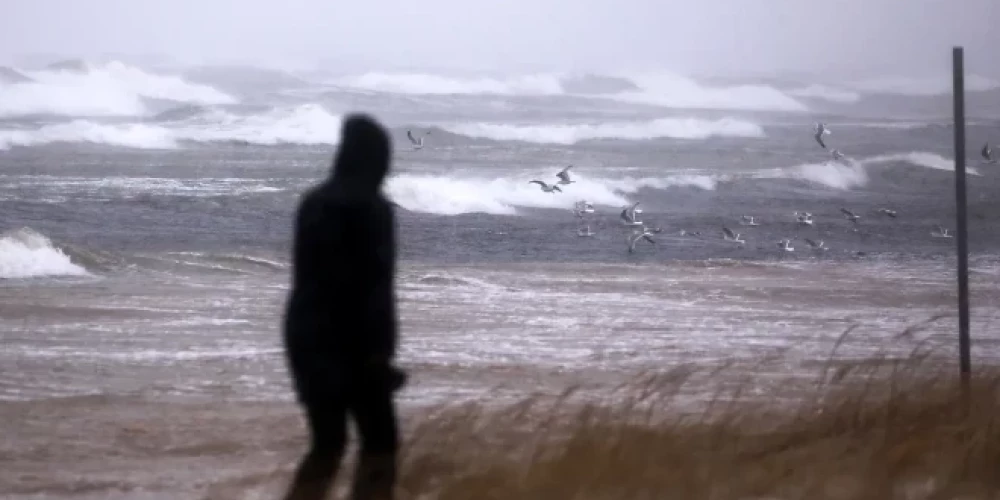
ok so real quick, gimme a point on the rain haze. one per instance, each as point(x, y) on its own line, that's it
point(584, 191)
point(715, 37)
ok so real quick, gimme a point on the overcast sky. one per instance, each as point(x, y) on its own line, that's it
point(870, 37)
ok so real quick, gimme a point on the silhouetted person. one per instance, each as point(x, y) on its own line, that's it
point(340, 323)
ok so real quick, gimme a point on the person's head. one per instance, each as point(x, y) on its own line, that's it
point(364, 154)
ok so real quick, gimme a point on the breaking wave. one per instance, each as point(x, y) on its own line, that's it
point(854, 173)
point(307, 124)
point(111, 89)
point(25, 253)
point(677, 128)
point(662, 89)
point(459, 195)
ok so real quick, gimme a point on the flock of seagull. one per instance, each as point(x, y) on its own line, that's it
point(639, 231)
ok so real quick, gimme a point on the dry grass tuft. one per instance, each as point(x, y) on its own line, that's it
point(878, 429)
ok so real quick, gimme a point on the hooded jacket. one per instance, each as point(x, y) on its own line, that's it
point(342, 305)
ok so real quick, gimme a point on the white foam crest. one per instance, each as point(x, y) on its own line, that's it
point(134, 135)
point(110, 89)
point(452, 196)
point(675, 91)
point(424, 83)
point(827, 93)
point(854, 173)
point(503, 196)
point(25, 253)
point(923, 86)
point(677, 128)
point(920, 158)
point(832, 174)
point(306, 124)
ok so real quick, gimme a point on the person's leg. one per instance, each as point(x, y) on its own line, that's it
point(327, 421)
point(375, 416)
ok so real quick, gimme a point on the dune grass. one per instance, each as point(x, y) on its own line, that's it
point(874, 428)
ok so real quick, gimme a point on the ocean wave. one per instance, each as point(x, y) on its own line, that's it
point(429, 84)
point(26, 253)
point(307, 124)
point(854, 173)
point(661, 89)
point(923, 86)
point(111, 89)
point(677, 128)
point(675, 91)
point(450, 195)
point(826, 93)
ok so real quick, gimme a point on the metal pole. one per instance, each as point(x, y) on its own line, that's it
point(961, 236)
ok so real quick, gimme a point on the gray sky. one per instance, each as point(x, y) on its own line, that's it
point(731, 37)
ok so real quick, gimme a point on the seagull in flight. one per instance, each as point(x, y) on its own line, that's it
point(749, 220)
point(418, 142)
point(820, 131)
point(804, 218)
point(816, 245)
point(585, 232)
point(729, 235)
point(645, 234)
point(628, 215)
point(546, 187)
point(563, 176)
point(849, 215)
point(583, 207)
point(786, 245)
point(940, 232)
point(987, 153)
point(887, 211)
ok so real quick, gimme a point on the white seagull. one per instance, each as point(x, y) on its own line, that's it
point(418, 142)
point(887, 211)
point(545, 187)
point(987, 153)
point(645, 234)
point(583, 207)
point(786, 245)
point(729, 235)
point(749, 220)
point(820, 131)
point(816, 245)
point(585, 231)
point(628, 215)
point(804, 218)
point(940, 232)
point(563, 176)
point(849, 215)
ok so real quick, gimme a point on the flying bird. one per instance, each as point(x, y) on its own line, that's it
point(628, 215)
point(786, 245)
point(987, 153)
point(585, 231)
point(820, 131)
point(940, 232)
point(888, 211)
point(816, 245)
point(645, 234)
point(849, 215)
point(563, 176)
point(729, 235)
point(418, 142)
point(546, 187)
point(583, 207)
point(749, 220)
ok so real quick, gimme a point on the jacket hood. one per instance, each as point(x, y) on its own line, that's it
point(362, 160)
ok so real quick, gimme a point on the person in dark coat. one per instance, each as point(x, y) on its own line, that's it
point(340, 324)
